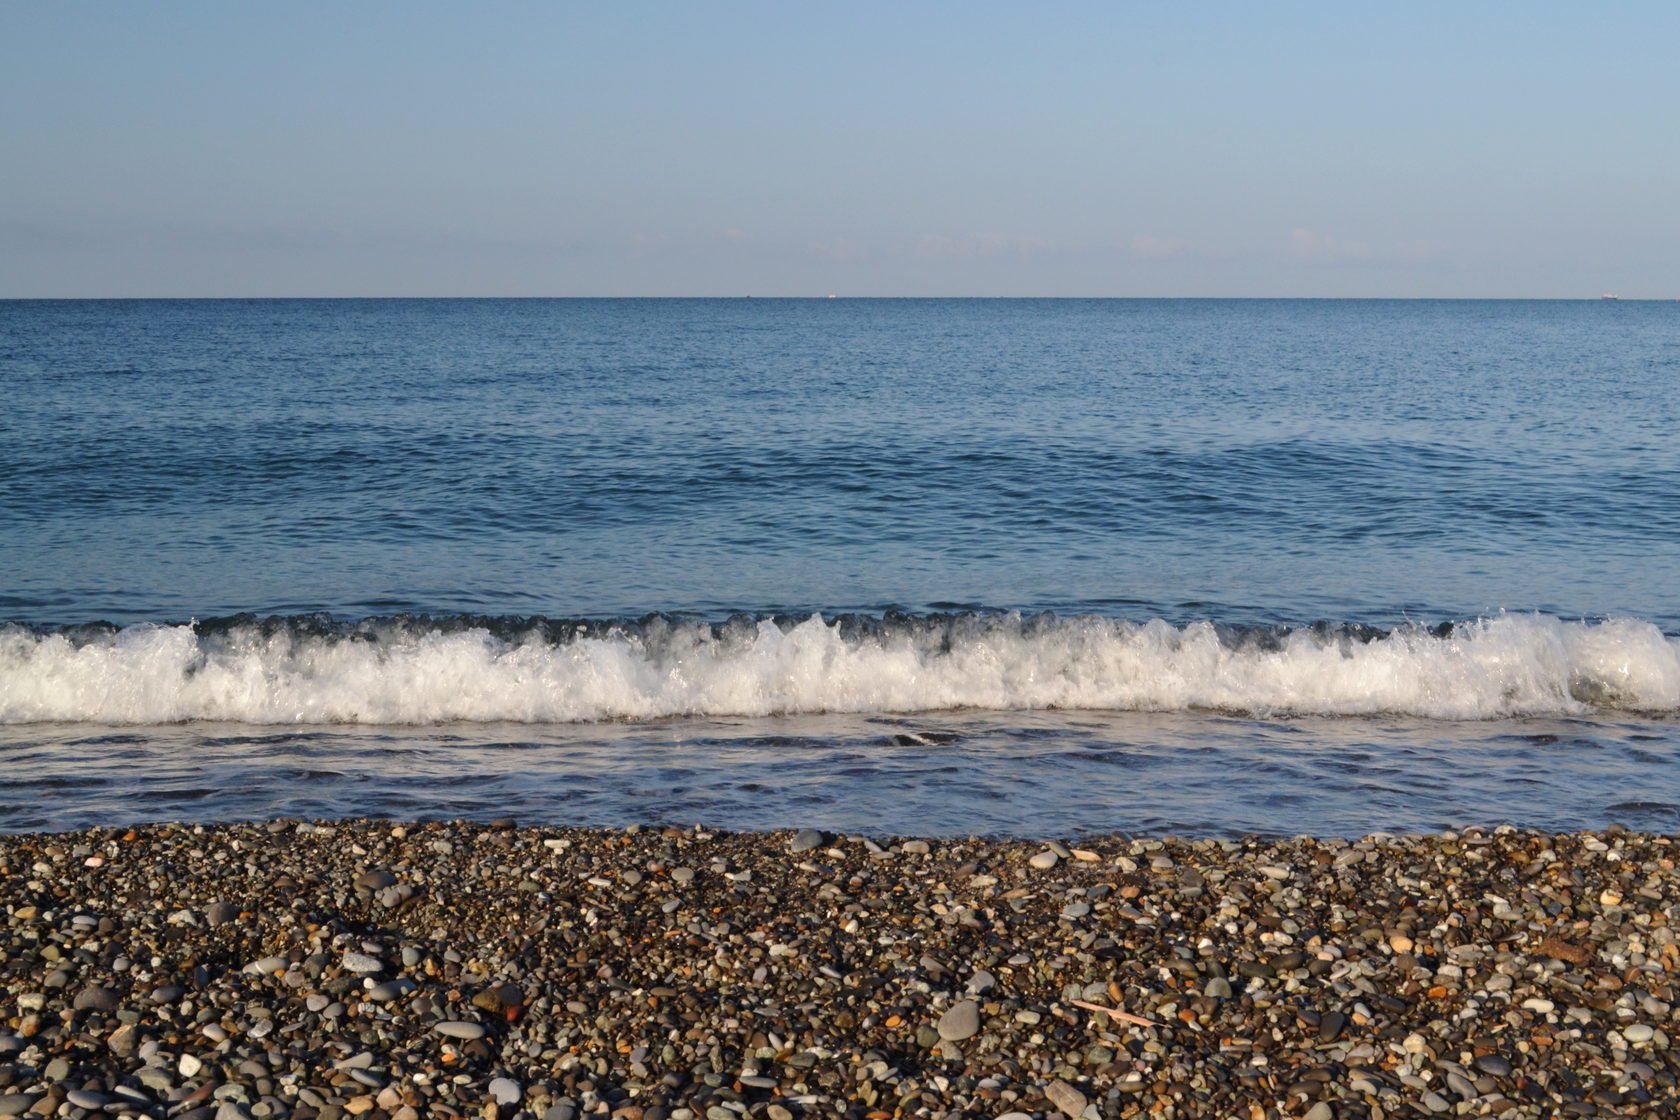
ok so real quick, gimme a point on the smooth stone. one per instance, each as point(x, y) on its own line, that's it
point(376, 880)
point(16, 1104)
point(1539, 1006)
point(390, 990)
point(1331, 1026)
point(1320, 1111)
point(96, 998)
point(915, 847)
point(1044, 861)
point(220, 913)
point(1494, 1064)
point(168, 993)
point(459, 1028)
point(1217, 988)
point(81, 1098)
point(1638, 1032)
point(506, 1090)
point(560, 1112)
point(981, 982)
point(1435, 1102)
point(805, 840)
point(189, 1065)
point(960, 1022)
point(361, 962)
point(1065, 1097)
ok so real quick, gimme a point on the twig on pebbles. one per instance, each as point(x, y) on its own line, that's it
point(1115, 1012)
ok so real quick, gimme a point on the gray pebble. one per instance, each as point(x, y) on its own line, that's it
point(960, 1022)
point(1494, 1064)
point(458, 1028)
point(96, 998)
point(806, 839)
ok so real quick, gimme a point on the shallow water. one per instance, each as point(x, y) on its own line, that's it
point(987, 773)
point(1203, 566)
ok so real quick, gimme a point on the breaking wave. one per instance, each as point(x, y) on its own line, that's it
point(406, 670)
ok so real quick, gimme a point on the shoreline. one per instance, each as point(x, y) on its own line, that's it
point(368, 968)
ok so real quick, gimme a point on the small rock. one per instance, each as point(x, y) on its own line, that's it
point(1320, 1111)
point(506, 1090)
point(96, 998)
point(805, 840)
point(1494, 1064)
point(376, 879)
point(1065, 1097)
point(1044, 861)
point(1638, 1032)
point(220, 913)
point(960, 1022)
point(458, 1028)
point(361, 962)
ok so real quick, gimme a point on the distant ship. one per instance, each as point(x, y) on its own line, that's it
point(1609, 295)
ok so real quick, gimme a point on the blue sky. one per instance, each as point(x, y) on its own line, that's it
point(866, 149)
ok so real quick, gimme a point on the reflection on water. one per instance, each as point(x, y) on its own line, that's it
point(950, 774)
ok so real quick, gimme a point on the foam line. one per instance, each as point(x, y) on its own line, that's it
point(1512, 665)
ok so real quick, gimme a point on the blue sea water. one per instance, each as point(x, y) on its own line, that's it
point(902, 565)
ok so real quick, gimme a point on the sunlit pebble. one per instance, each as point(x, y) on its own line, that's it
point(658, 939)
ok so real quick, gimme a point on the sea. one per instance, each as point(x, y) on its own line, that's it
point(936, 567)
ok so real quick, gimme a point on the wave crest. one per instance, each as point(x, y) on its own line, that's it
point(422, 671)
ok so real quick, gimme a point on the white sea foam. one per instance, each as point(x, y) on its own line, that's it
point(1505, 666)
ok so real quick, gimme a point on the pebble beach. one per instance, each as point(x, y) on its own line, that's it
point(369, 969)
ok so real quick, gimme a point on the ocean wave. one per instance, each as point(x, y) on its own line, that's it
point(423, 671)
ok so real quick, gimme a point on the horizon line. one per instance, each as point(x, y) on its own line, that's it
point(838, 296)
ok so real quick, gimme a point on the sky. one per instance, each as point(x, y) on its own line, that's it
point(891, 149)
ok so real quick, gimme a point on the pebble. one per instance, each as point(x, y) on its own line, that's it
point(805, 840)
point(95, 998)
point(960, 1022)
point(1065, 1097)
point(848, 983)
